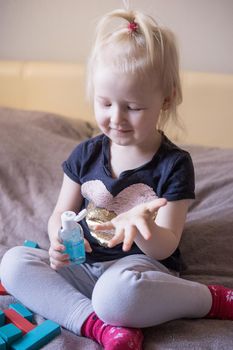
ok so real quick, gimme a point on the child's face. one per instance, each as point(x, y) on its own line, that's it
point(126, 106)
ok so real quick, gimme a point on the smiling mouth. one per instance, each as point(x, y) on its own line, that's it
point(121, 130)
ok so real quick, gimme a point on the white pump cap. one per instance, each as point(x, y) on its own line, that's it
point(69, 219)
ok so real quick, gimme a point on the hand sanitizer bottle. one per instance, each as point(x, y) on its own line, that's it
point(72, 237)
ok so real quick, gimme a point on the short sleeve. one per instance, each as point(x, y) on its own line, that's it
point(72, 165)
point(180, 182)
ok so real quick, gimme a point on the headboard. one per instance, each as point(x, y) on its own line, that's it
point(206, 112)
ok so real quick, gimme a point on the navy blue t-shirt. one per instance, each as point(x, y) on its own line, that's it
point(169, 174)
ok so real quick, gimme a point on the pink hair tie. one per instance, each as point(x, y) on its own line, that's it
point(133, 26)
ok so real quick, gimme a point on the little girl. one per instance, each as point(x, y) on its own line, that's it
point(135, 181)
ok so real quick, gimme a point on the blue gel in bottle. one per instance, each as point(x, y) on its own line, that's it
point(72, 237)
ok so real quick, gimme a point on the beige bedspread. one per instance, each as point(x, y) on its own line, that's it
point(32, 148)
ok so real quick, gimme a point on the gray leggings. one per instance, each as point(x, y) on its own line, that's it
point(135, 291)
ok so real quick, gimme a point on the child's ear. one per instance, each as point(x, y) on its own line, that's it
point(168, 100)
point(166, 103)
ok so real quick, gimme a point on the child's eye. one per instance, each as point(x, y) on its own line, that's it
point(134, 108)
point(106, 104)
point(103, 103)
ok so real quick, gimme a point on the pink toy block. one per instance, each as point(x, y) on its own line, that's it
point(13, 317)
point(2, 290)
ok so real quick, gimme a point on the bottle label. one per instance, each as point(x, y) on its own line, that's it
point(75, 250)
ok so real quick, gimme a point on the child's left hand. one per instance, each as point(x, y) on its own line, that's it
point(127, 225)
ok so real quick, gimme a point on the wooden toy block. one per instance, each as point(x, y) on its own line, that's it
point(31, 244)
point(38, 337)
point(22, 310)
point(19, 321)
point(2, 290)
point(2, 344)
point(10, 333)
point(2, 318)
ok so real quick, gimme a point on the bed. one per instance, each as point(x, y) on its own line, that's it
point(43, 115)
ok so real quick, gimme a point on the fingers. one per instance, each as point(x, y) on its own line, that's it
point(125, 236)
point(56, 256)
point(104, 226)
point(130, 234)
point(144, 229)
point(125, 233)
point(88, 248)
point(156, 204)
point(138, 220)
point(58, 259)
point(56, 264)
point(117, 239)
point(56, 244)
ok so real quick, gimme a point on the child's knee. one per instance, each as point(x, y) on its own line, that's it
point(115, 296)
point(13, 266)
point(11, 260)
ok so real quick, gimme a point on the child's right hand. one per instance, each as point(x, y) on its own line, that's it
point(56, 253)
point(56, 256)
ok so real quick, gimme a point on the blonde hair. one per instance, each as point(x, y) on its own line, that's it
point(147, 46)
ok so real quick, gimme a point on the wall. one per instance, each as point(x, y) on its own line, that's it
point(62, 30)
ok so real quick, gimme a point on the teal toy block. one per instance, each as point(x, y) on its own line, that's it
point(38, 337)
point(2, 344)
point(31, 244)
point(22, 310)
point(2, 318)
point(10, 333)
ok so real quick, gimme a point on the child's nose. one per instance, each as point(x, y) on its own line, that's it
point(117, 115)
